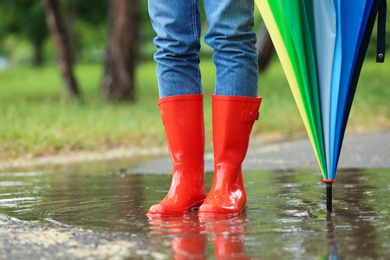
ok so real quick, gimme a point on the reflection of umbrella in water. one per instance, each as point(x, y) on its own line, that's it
point(321, 46)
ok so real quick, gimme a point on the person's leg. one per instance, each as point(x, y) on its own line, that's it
point(235, 105)
point(231, 36)
point(177, 25)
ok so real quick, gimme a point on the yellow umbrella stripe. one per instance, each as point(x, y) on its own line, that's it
point(287, 65)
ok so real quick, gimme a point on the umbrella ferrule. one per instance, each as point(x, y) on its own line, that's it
point(328, 181)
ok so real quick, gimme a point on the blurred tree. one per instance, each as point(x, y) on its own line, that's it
point(58, 31)
point(265, 48)
point(95, 13)
point(26, 19)
point(118, 79)
point(89, 28)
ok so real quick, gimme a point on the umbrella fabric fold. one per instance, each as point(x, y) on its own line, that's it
point(352, 21)
point(325, 26)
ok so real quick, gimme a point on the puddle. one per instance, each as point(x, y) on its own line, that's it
point(285, 218)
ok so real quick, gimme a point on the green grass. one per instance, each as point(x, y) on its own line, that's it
point(35, 120)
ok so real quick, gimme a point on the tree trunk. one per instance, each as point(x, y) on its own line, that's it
point(118, 80)
point(38, 52)
point(265, 48)
point(58, 31)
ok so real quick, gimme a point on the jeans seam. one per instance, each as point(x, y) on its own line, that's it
point(194, 19)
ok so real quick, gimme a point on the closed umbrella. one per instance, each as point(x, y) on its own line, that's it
point(321, 46)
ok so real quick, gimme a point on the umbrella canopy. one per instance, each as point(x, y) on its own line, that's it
point(321, 46)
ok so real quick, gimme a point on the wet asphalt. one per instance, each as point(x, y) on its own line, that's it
point(26, 240)
point(368, 150)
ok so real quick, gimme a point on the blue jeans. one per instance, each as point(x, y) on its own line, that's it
point(178, 27)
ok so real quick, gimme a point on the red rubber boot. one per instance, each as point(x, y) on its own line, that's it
point(184, 130)
point(233, 118)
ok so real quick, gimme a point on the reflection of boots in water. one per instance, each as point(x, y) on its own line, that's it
point(227, 235)
point(233, 118)
point(184, 130)
point(189, 247)
point(187, 242)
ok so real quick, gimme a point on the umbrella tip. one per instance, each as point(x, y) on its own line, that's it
point(329, 196)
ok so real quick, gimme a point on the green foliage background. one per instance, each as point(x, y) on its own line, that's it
point(36, 121)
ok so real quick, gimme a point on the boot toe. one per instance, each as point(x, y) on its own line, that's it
point(156, 209)
point(164, 209)
point(217, 210)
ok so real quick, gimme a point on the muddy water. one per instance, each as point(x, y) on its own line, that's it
point(285, 219)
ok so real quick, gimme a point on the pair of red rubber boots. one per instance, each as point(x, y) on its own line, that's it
point(182, 116)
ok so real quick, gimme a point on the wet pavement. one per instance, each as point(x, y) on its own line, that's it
point(97, 211)
point(369, 150)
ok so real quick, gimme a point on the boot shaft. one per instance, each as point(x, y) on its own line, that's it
point(183, 121)
point(233, 119)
